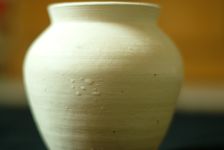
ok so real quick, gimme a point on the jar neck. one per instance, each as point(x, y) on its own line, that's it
point(104, 11)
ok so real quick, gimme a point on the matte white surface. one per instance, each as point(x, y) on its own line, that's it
point(97, 80)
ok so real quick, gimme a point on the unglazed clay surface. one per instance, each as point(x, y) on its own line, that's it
point(103, 76)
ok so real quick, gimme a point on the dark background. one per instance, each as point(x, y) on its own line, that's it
point(188, 131)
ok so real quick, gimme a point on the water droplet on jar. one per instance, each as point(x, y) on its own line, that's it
point(96, 93)
point(83, 87)
point(73, 87)
point(89, 81)
point(78, 93)
point(72, 80)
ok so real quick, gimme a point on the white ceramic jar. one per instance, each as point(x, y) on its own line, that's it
point(103, 76)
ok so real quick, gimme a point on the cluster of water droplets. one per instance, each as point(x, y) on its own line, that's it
point(84, 86)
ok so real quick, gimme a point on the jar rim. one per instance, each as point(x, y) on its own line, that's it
point(105, 3)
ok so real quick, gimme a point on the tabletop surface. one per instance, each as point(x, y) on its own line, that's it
point(187, 131)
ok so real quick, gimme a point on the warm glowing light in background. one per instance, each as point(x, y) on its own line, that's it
point(197, 27)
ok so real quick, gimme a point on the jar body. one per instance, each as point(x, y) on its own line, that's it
point(102, 85)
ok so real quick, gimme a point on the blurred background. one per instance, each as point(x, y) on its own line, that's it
point(197, 28)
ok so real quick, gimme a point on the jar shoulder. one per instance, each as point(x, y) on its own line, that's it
point(67, 36)
point(118, 46)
